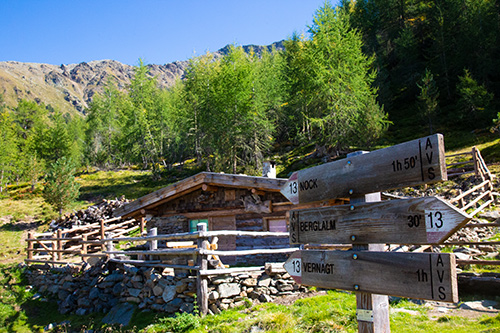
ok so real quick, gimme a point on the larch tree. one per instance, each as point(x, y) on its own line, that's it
point(61, 188)
point(340, 94)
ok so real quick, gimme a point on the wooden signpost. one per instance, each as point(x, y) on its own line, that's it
point(426, 220)
point(430, 276)
point(412, 163)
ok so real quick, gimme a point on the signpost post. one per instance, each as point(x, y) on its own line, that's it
point(368, 223)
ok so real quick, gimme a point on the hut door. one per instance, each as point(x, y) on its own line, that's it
point(226, 243)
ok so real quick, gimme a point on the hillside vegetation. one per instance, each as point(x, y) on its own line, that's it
point(367, 75)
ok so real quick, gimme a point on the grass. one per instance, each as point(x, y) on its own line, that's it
point(334, 312)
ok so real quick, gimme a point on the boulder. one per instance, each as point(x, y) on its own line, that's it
point(228, 290)
point(120, 314)
point(168, 293)
point(157, 290)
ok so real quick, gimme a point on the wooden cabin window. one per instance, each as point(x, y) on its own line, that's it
point(193, 224)
point(276, 225)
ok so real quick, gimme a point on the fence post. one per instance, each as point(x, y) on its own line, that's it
point(461, 202)
point(54, 246)
point(84, 247)
point(201, 281)
point(30, 245)
point(475, 162)
point(103, 246)
point(142, 223)
point(59, 244)
point(109, 245)
point(153, 244)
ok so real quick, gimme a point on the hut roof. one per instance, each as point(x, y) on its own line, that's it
point(200, 180)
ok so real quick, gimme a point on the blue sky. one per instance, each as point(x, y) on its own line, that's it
point(158, 31)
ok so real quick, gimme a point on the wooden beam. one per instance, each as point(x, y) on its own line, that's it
point(224, 271)
point(195, 182)
point(208, 188)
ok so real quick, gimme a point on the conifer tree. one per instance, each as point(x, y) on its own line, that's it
point(8, 147)
point(61, 187)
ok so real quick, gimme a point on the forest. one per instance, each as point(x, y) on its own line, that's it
point(367, 72)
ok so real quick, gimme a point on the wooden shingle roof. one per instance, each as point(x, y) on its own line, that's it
point(195, 182)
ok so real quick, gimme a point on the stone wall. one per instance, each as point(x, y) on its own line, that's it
point(98, 288)
point(229, 291)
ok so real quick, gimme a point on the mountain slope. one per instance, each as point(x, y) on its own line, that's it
point(70, 88)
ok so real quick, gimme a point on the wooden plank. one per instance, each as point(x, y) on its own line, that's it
point(483, 206)
point(430, 276)
point(412, 163)
point(459, 154)
point(224, 271)
point(247, 252)
point(459, 163)
point(153, 263)
point(472, 243)
point(466, 193)
point(478, 262)
point(167, 252)
point(195, 182)
point(473, 202)
point(53, 262)
point(426, 220)
point(56, 251)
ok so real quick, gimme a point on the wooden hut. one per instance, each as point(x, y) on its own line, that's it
point(223, 202)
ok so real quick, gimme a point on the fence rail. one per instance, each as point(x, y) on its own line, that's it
point(75, 244)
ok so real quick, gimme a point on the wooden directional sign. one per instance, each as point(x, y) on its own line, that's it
point(430, 276)
point(426, 220)
point(412, 163)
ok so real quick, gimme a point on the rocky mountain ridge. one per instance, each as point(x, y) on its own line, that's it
point(70, 88)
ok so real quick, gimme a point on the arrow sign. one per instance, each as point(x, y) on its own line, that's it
point(426, 220)
point(411, 163)
point(430, 276)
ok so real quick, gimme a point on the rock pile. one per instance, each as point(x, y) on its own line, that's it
point(229, 291)
point(99, 288)
point(93, 214)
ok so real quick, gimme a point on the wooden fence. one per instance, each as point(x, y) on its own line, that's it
point(475, 199)
point(75, 244)
point(198, 256)
point(480, 196)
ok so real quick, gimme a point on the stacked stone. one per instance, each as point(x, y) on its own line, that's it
point(159, 291)
point(93, 214)
point(230, 291)
point(99, 288)
point(83, 290)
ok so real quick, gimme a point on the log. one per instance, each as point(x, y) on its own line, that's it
point(247, 252)
point(201, 281)
point(478, 262)
point(274, 268)
point(225, 271)
point(53, 262)
point(466, 193)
